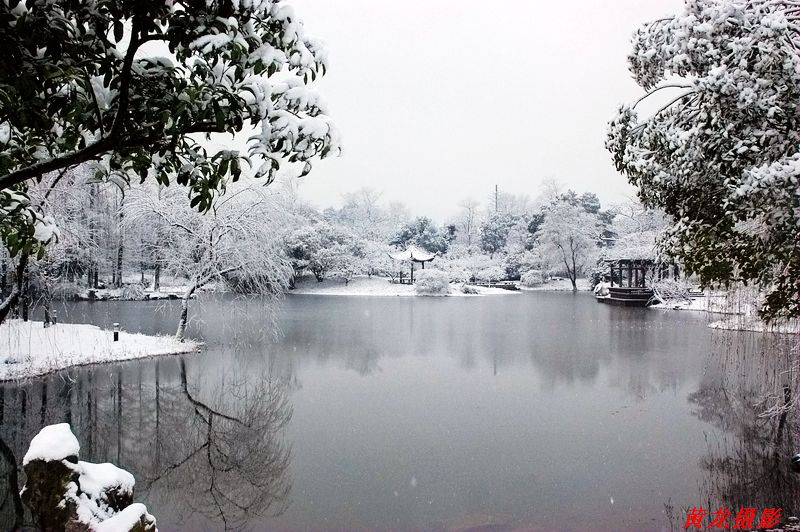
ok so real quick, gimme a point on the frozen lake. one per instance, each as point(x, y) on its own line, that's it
point(537, 411)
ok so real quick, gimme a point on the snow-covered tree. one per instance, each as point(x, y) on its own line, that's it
point(377, 260)
point(324, 248)
point(519, 262)
point(467, 221)
point(569, 236)
point(463, 266)
point(421, 232)
point(532, 278)
point(721, 153)
point(362, 213)
point(231, 246)
point(494, 231)
point(134, 86)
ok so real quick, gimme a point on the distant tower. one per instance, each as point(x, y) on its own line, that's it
point(496, 198)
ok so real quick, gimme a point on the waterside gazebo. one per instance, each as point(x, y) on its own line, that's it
point(634, 264)
point(631, 278)
point(412, 254)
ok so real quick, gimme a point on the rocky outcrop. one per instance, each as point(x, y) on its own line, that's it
point(66, 494)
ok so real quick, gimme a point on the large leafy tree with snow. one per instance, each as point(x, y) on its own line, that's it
point(323, 248)
point(134, 85)
point(494, 231)
point(721, 156)
point(421, 232)
point(569, 239)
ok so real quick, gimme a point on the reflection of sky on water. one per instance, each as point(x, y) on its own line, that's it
point(520, 410)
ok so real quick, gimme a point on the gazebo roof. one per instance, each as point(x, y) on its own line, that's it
point(413, 253)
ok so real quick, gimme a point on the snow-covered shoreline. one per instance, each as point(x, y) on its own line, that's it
point(379, 287)
point(28, 349)
point(716, 303)
point(739, 317)
point(746, 323)
point(561, 285)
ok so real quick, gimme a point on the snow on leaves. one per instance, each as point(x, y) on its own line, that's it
point(135, 85)
point(720, 155)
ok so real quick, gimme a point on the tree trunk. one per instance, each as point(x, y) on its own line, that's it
point(573, 275)
point(91, 279)
point(13, 298)
point(13, 485)
point(120, 248)
point(157, 277)
point(184, 312)
point(26, 298)
point(47, 301)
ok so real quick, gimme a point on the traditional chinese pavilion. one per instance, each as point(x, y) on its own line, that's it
point(412, 255)
point(630, 280)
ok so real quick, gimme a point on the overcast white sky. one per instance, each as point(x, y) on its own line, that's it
point(438, 100)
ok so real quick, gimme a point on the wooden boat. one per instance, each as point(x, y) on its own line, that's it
point(629, 296)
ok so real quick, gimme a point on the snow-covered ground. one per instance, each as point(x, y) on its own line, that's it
point(716, 302)
point(746, 323)
point(131, 294)
point(561, 285)
point(28, 349)
point(741, 311)
point(132, 290)
point(375, 286)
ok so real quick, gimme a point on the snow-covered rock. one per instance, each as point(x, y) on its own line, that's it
point(133, 518)
point(54, 442)
point(64, 493)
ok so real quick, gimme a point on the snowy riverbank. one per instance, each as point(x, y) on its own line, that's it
point(710, 302)
point(748, 323)
point(560, 285)
point(376, 286)
point(741, 313)
point(28, 349)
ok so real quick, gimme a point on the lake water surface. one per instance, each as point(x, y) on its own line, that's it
point(537, 411)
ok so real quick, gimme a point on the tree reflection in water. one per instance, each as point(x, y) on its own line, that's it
point(207, 451)
point(749, 398)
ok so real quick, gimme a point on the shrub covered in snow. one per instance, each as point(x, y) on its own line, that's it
point(532, 278)
point(517, 263)
point(492, 273)
point(671, 291)
point(133, 292)
point(471, 290)
point(432, 283)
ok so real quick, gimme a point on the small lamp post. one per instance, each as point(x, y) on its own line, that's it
point(116, 332)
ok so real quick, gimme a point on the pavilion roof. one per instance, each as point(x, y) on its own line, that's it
point(412, 253)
